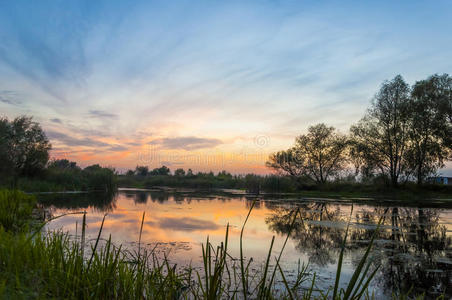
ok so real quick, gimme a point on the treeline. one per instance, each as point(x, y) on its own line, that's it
point(142, 177)
point(405, 136)
point(25, 164)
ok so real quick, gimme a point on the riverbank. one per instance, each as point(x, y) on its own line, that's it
point(410, 197)
point(283, 185)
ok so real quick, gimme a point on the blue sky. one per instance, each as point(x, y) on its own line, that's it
point(106, 79)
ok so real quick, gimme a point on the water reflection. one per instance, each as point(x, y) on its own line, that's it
point(414, 245)
point(317, 231)
point(98, 202)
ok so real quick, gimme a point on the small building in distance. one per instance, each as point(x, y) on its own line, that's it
point(442, 180)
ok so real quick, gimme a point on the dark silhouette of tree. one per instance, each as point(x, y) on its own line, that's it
point(141, 170)
point(163, 170)
point(63, 164)
point(430, 126)
point(381, 137)
point(179, 172)
point(286, 162)
point(320, 154)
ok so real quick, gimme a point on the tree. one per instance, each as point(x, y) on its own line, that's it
point(130, 173)
point(320, 154)
point(63, 164)
point(6, 166)
point(323, 150)
point(24, 146)
point(286, 162)
point(443, 97)
point(163, 170)
point(141, 170)
point(430, 130)
point(224, 175)
point(382, 136)
point(179, 172)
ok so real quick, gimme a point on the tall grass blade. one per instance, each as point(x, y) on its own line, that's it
point(264, 278)
point(358, 270)
point(341, 257)
point(82, 246)
point(96, 244)
point(141, 231)
point(242, 268)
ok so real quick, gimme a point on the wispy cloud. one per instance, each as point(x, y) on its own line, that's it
point(56, 120)
point(187, 143)
point(102, 114)
point(73, 141)
point(117, 148)
point(9, 97)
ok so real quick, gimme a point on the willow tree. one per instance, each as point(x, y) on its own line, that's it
point(320, 154)
point(382, 136)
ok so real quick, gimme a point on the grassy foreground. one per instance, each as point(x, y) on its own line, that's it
point(48, 266)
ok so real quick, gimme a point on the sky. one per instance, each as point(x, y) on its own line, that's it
point(207, 85)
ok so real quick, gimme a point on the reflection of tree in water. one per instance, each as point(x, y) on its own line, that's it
point(314, 232)
point(419, 255)
point(140, 197)
point(102, 202)
point(412, 246)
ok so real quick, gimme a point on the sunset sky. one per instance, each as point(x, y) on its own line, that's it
point(207, 85)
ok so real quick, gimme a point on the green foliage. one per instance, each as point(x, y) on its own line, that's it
point(53, 266)
point(24, 147)
point(63, 175)
point(24, 153)
point(99, 178)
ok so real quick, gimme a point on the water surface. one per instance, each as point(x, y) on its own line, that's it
point(414, 245)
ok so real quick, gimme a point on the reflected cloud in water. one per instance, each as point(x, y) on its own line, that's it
point(187, 224)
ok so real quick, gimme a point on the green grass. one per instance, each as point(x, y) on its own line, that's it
point(36, 265)
point(16, 210)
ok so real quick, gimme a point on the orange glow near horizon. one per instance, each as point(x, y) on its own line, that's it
point(234, 162)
